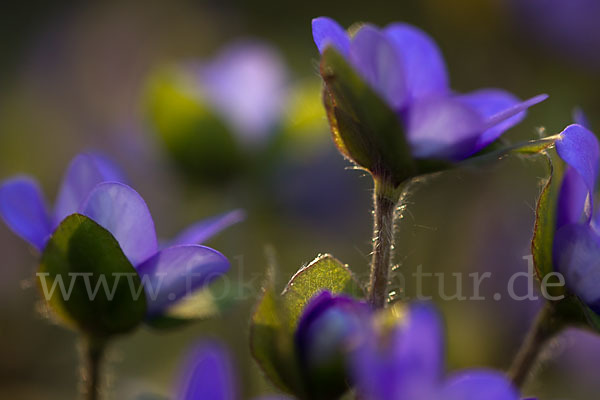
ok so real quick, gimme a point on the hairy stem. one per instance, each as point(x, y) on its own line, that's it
point(93, 355)
point(383, 244)
point(542, 330)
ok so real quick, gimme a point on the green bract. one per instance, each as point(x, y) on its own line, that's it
point(88, 281)
point(545, 221)
point(276, 316)
point(364, 128)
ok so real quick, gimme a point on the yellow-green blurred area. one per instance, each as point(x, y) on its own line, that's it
point(74, 75)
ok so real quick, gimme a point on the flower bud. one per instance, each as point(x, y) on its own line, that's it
point(329, 330)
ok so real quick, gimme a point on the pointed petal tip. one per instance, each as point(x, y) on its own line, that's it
point(537, 99)
point(203, 230)
point(327, 32)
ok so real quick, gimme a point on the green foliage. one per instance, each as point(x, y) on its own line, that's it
point(364, 128)
point(194, 135)
point(324, 273)
point(545, 221)
point(106, 294)
point(276, 316)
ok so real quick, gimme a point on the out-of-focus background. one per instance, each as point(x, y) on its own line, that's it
point(120, 76)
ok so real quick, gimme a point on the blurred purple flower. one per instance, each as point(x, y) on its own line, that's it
point(577, 239)
point(92, 186)
point(246, 83)
point(209, 374)
point(406, 68)
point(408, 364)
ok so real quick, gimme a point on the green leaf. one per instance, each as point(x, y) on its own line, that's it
point(276, 316)
point(323, 273)
point(545, 222)
point(365, 129)
point(272, 346)
point(96, 289)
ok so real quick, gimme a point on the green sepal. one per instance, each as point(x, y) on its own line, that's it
point(365, 129)
point(544, 229)
point(86, 258)
point(276, 316)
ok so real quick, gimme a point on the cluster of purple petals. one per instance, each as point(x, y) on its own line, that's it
point(94, 187)
point(576, 249)
point(406, 364)
point(406, 68)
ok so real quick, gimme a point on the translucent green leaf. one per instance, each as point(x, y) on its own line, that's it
point(88, 281)
point(323, 273)
point(276, 316)
point(364, 128)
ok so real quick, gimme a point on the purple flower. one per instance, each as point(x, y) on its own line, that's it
point(92, 187)
point(246, 83)
point(406, 362)
point(25, 211)
point(209, 374)
point(329, 329)
point(576, 248)
point(405, 67)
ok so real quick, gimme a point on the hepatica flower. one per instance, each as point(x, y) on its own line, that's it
point(392, 354)
point(405, 68)
point(576, 247)
point(213, 114)
point(93, 187)
point(209, 374)
point(246, 83)
point(407, 363)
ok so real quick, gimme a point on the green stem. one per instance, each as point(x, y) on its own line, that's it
point(93, 358)
point(383, 243)
point(546, 325)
